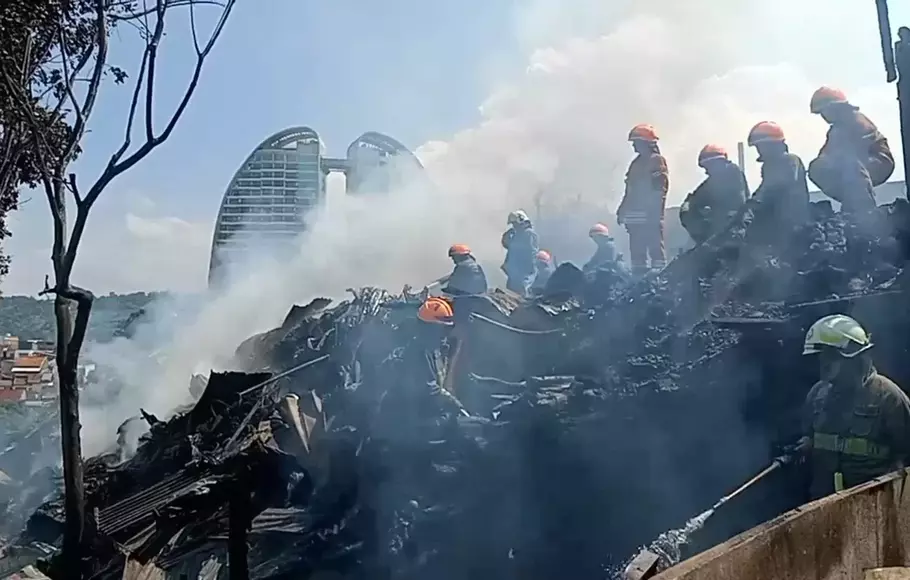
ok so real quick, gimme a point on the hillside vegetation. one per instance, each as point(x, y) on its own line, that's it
point(33, 318)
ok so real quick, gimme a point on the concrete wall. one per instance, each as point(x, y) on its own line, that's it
point(838, 537)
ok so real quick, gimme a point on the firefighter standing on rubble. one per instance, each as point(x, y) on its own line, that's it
point(855, 157)
point(712, 205)
point(856, 421)
point(642, 208)
point(545, 268)
point(782, 198)
point(521, 245)
point(468, 277)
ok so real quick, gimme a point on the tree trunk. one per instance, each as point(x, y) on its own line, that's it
point(239, 519)
point(71, 441)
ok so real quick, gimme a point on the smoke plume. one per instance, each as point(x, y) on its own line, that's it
point(700, 72)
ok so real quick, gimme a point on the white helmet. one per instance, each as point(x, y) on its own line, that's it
point(838, 332)
point(518, 217)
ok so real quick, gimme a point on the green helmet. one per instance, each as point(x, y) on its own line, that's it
point(838, 332)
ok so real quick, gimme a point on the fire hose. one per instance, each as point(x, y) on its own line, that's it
point(645, 564)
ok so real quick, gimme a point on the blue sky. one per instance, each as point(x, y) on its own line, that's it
point(412, 69)
point(415, 70)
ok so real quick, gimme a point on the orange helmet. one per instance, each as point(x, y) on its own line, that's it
point(824, 97)
point(436, 310)
point(459, 250)
point(544, 256)
point(643, 132)
point(764, 132)
point(710, 152)
point(599, 230)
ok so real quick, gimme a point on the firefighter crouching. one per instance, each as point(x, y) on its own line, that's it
point(467, 277)
point(642, 208)
point(855, 157)
point(545, 268)
point(856, 421)
point(709, 208)
point(605, 254)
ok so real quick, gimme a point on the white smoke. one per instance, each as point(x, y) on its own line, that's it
point(699, 71)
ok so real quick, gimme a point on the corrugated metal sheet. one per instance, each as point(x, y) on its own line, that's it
point(136, 508)
point(288, 521)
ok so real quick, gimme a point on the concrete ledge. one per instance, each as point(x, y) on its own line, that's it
point(888, 574)
point(837, 537)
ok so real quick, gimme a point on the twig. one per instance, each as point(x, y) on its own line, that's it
point(75, 188)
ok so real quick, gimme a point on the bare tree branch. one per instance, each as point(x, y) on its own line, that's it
point(75, 188)
point(116, 167)
point(151, 50)
point(193, 27)
point(92, 91)
point(131, 117)
point(170, 4)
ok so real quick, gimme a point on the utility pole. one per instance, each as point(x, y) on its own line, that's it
point(896, 59)
point(902, 61)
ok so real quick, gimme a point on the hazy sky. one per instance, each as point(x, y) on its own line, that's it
point(420, 71)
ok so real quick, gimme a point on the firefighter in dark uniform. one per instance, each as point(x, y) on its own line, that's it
point(712, 205)
point(855, 157)
point(857, 421)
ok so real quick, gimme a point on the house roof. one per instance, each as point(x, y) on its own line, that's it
point(33, 361)
point(11, 395)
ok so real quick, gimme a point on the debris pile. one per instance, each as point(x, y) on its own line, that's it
point(570, 431)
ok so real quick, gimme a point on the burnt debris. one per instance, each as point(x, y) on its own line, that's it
point(565, 434)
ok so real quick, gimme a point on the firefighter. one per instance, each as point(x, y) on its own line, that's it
point(709, 208)
point(468, 277)
point(605, 254)
point(545, 268)
point(855, 157)
point(856, 421)
point(521, 245)
point(643, 205)
point(782, 198)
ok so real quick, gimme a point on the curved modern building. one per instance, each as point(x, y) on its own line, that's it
point(284, 178)
point(376, 162)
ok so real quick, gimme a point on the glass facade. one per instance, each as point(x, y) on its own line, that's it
point(266, 201)
point(375, 163)
point(283, 179)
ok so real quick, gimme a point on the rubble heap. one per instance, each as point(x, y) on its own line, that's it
point(571, 430)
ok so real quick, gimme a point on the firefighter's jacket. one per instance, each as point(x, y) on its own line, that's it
point(860, 430)
point(709, 208)
point(468, 277)
point(782, 198)
point(647, 183)
point(521, 246)
point(860, 139)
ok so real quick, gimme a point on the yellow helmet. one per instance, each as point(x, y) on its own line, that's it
point(838, 332)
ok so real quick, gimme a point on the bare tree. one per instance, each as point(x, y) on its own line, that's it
point(51, 89)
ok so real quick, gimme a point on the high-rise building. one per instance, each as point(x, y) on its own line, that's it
point(375, 162)
point(266, 200)
point(284, 178)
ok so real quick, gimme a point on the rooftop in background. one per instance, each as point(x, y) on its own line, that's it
point(884, 193)
point(30, 361)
